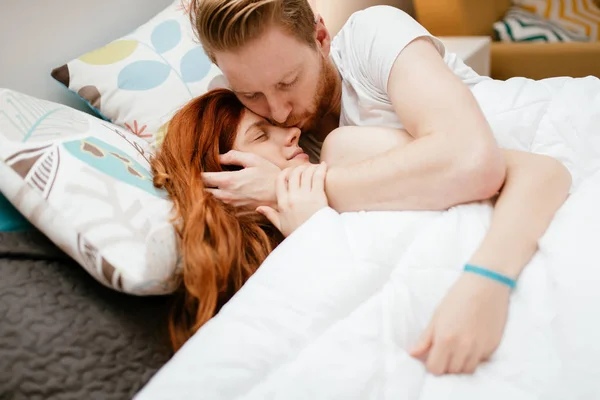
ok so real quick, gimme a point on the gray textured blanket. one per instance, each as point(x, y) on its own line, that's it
point(64, 336)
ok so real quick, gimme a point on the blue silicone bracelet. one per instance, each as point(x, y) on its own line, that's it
point(491, 275)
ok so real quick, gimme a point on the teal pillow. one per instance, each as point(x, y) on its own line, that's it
point(11, 220)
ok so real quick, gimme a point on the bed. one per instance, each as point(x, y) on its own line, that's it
point(84, 301)
point(64, 336)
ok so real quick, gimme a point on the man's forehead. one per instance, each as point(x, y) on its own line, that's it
point(264, 61)
point(245, 80)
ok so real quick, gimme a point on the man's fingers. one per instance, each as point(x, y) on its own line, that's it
point(458, 360)
point(471, 364)
point(424, 343)
point(216, 179)
point(271, 215)
point(439, 356)
point(223, 195)
point(318, 182)
point(234, 157)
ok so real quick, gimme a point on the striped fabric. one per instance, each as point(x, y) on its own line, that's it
point(581, 16)
point(523, 26)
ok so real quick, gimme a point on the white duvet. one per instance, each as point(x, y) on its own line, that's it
point(332, 312)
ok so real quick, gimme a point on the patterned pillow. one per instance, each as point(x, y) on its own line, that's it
point(580, 16)
point(523, 26)
point(139, 80)
point(86, 184)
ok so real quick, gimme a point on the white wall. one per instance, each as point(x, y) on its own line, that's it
point(38, 35)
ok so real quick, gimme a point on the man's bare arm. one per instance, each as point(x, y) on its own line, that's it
point(454, 160)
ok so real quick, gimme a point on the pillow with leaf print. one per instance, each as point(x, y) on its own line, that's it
point(141, 79)
point(86, 184)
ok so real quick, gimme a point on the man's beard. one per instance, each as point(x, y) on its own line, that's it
point(321, 103)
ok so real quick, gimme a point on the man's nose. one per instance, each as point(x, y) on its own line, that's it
point(280, 109)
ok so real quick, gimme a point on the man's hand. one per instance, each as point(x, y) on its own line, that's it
point(467, 326)
point(300, 194)
point(252, 186)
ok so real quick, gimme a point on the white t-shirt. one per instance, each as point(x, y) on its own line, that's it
point(364, 52)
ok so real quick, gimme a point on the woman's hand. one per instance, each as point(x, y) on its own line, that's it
point(467, 326)
point(300, 194)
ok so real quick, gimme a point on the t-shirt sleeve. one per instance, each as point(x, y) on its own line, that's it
point(376, 36)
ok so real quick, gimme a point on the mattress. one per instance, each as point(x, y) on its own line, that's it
point(65, 336)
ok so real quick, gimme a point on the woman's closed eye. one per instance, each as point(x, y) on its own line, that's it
point(261, 135)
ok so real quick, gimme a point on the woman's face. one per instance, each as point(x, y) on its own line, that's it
point(278, 145)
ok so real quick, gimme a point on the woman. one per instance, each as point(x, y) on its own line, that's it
point(223, 246)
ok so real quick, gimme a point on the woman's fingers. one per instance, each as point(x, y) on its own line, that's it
point(281, 188)
point(318, 180)
point(294, 182)
point(307, 177)
point(271, 215)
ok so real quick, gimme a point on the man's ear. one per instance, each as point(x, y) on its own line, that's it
point(322, 36)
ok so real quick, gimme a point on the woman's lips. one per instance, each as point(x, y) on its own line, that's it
point(301, 156)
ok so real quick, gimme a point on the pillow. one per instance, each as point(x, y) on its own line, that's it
point(580, 16)
point(11, 219)
point(523, 26)
point(86, 184)
point(140, 80)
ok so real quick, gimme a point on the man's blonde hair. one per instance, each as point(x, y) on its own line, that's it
point(223, 25)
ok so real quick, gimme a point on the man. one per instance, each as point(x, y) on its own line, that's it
point(382, 69)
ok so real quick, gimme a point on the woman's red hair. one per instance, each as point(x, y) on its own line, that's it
point(222, 246)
